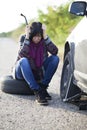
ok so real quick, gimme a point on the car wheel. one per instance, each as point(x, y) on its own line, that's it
point(68, 90)
point(13, 86)
point(66, 78)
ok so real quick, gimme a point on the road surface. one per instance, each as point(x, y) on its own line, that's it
point(18, 112)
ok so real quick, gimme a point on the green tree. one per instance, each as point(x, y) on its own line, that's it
point(59, 22)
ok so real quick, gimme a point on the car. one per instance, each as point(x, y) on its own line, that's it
point(73, 82)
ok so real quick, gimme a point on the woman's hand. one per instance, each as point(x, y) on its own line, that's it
point(27, 31)
point(44, 31)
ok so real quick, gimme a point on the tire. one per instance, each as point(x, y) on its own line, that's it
point(13, 86)
point(66, 75)
point(68, 90)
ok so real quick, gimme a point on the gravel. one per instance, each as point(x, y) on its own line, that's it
point(18, 112)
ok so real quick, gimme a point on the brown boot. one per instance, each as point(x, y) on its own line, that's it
point(46, 94)
point(40, 97)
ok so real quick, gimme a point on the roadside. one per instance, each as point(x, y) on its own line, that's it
point(18, 112)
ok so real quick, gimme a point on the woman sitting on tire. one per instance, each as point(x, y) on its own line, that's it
point(33, 63)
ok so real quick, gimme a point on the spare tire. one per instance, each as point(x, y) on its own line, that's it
point(14, 86)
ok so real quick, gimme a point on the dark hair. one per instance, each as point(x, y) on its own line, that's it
point(36, 29)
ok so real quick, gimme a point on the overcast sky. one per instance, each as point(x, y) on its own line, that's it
point(10, 11)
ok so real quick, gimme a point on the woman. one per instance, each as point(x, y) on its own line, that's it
point(33, 63)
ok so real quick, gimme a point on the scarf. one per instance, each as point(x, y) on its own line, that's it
point(36, 53)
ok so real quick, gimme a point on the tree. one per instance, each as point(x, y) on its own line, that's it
point(59, 22)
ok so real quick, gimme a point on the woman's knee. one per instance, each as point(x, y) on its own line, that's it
point(23, 60)
point(55, 59)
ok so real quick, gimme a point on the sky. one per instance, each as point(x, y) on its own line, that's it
point(10, 11)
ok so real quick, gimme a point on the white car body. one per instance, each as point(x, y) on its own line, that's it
point(79, 38)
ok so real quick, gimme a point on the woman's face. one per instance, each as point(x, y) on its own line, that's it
point(36, 39)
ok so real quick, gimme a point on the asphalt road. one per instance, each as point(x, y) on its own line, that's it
point(18, 112)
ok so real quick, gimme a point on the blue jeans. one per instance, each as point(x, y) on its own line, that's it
point(23, 71)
